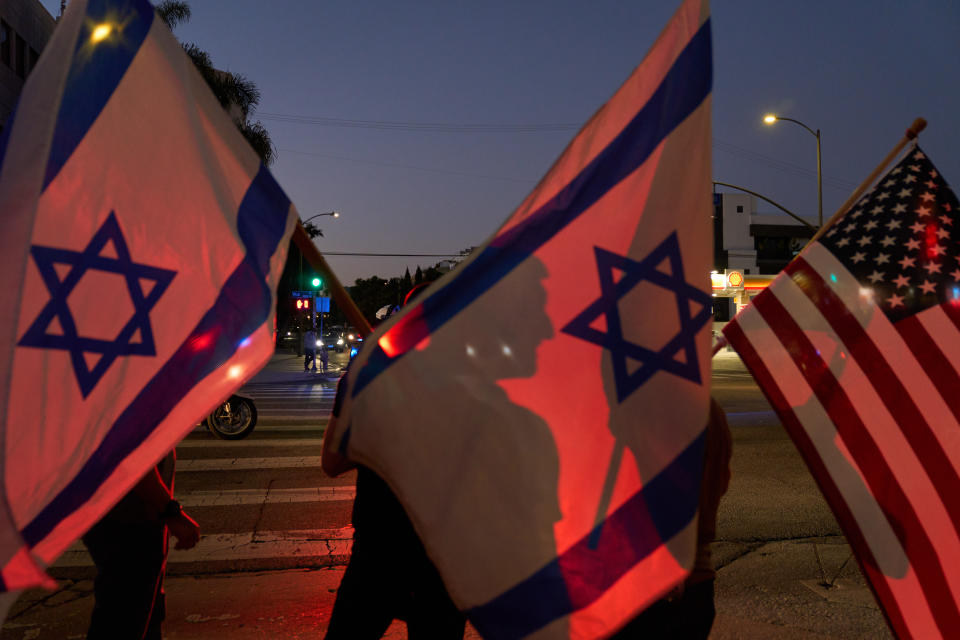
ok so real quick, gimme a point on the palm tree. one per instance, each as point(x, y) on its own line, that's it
point(234, 92)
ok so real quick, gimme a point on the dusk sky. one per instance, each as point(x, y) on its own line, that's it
point(373, 105)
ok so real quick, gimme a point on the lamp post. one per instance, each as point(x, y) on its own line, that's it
point(770, 119)
point(335, 214)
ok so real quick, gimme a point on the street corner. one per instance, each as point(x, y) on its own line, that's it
point(243, 606)
point(780, 590)
point(39, 614)
point(291, 604)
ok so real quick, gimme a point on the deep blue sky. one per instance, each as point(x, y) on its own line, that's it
point(861, 72)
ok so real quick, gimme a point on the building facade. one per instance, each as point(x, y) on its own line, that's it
point(749, 249)
point(25, 29)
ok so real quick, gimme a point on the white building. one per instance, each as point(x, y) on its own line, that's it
point(754, 245)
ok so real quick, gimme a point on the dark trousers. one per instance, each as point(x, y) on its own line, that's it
point(375, 591)
point(689, 617)
point(128, 589)
point(310, 358)
point(389, 575)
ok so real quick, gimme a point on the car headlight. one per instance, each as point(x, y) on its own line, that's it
point(340, 341)
point(350, 337)
point(319, 343)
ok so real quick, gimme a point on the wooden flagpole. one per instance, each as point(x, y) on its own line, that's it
point(918, 125)
point(339, 293)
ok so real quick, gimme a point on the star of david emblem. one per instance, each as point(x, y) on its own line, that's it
point(55, 326)
point(667, 253)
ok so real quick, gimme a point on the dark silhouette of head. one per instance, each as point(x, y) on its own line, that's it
point(499, 333)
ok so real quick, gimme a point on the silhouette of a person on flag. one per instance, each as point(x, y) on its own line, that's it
point(476, 473)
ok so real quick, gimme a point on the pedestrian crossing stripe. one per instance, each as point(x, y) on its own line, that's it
point(247, 464)
point(249, 444)
point(248, 545)
point(231, 497)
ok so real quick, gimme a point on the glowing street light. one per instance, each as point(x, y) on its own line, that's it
point(771, 118)
point(100, 32)
point(334, 214)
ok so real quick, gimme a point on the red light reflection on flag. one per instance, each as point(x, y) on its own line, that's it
point(409, 331)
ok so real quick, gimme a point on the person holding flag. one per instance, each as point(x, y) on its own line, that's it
point(688, 611)
point(546, 505)
point(855, 344)
point(143, 240)
point(389, 575)
point(129, 548)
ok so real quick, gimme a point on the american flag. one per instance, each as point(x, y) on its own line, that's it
point(857, 347)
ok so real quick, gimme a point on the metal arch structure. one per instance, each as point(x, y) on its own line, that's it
point(766, 199)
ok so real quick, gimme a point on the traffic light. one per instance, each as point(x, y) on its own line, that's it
point(316, 282)
point(303, 303)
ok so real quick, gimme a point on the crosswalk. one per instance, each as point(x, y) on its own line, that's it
point(262, 502)
point(291, 404)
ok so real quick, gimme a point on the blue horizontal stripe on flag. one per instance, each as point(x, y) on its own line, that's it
point(548, 594)
point(244, 304)
point(95, 72)
point(682, 90)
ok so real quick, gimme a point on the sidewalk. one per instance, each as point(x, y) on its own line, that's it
point(759, 597)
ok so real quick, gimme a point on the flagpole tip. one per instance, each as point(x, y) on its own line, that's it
point(918, 125)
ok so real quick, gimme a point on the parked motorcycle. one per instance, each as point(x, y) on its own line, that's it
point(234, 419)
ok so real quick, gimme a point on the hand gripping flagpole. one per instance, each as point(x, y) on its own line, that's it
point(918, 125)
point(339, 293)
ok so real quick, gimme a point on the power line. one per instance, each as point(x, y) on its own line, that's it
point(781, 165)
point(409, 166)
point(439, 127)
point(778, 165)
point(462, 127)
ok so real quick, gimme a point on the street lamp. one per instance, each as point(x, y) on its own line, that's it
point(335, 214)
point(770, 118)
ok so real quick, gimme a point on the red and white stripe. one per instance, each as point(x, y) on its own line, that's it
point(874, 409)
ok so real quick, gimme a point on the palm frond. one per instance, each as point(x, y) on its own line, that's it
point(173, 12)
point(256, 134)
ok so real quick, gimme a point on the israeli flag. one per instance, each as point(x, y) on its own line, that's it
point(142, 242)
point(540, 410)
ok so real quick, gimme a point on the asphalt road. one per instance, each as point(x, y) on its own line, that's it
point(276, 531)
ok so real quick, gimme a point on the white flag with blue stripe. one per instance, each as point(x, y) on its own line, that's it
point(142, 244)
point(540, 410)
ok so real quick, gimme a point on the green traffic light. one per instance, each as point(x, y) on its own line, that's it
point(316, 282)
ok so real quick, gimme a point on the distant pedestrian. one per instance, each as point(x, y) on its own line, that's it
point(310, 350)
point(129, 548)
point(324, 359)
point(688, 610)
